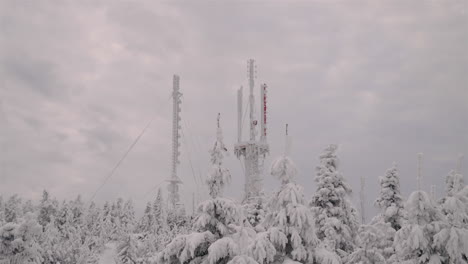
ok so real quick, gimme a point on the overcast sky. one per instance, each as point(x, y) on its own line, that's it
point(80, 80)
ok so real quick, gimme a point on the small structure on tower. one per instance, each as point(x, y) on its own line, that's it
point(253, 150)
point(174, 204)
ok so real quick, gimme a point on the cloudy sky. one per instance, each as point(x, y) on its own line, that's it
point(80, 80)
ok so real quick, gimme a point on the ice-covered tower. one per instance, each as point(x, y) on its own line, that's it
point(174, 180)
point(252, 151)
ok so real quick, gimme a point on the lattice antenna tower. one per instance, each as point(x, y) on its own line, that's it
point(174, 180)
point(253, 151)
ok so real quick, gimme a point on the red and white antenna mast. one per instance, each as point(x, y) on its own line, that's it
point(174, 180)
point(252, 151)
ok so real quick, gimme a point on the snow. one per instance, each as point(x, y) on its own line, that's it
point(278, 228)
point(109, 255)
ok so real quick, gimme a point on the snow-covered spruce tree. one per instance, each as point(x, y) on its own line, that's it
point(28, 207)
point(452, 240)
point(159, 213)
point(335, 217)
point(13, 210)
point(290, 227)
point(414, 242)
point(51, 242)
point(47, 209)
point(127, 251)
point(368, 251)
point(19, 242)
point(390, 201)
point(93, 225)
point(213, 238)
point(147, 220)
point(128, 217)
point(255, 211)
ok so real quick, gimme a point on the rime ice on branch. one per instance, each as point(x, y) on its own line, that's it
point(390, 200)
point(335, 217)
point(289, 225)
point(219, 224)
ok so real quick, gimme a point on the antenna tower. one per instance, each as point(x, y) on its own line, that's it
point(174, 180)
point(253, 151)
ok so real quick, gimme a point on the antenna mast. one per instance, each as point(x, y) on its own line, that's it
point(253, 151)
point(420, 156)
point(362, 197)
point(174, 180)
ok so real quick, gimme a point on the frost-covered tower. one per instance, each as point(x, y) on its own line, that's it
point(174, 180)
point(252, 150)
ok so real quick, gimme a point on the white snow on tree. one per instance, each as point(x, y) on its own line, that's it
point(390, 200)
point(159, 212)
point(212, 240)
point(13, 210)
point(218, 176)
point(367, 251)
point(255, 211)
point(335, 217)
point(452, 240)
point(414, 242)
point(19, 242)
point(127, 251)
point(290, 226)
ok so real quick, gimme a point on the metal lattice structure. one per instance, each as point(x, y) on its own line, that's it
point(174, 180)
point(252, 151)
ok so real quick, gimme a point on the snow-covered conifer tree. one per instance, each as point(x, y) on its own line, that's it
point(19, 242)
point(13, 210)
point(368, 251)
point(452, 240)
point(28, 207)
point(147, 220)
point(128, 217)
point(159, 212)
point(127, 251)
point(414, 242)
point(47, 210)
point(289, 226)
point(51, 242)
point(390, 200)
point(335, 217)
point(212, 242)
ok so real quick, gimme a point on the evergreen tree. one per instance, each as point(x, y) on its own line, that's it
point(390, 200)
point(335, 217)
point(128, 217)
point(47, 209)
point(290, 226)
point(414, 242)
point(218, 222)
point(28, 207)
point(147, 219)
point(13, 210)
point(127, 252)
point(159, 213)
point(452, 240)
point(19, 242)
point(368, 251)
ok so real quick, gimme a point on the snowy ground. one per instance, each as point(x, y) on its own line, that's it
point(108, 256)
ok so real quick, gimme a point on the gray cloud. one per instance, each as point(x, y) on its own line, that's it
point(81, 79)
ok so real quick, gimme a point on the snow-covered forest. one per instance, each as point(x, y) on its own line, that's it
point(280, 226)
